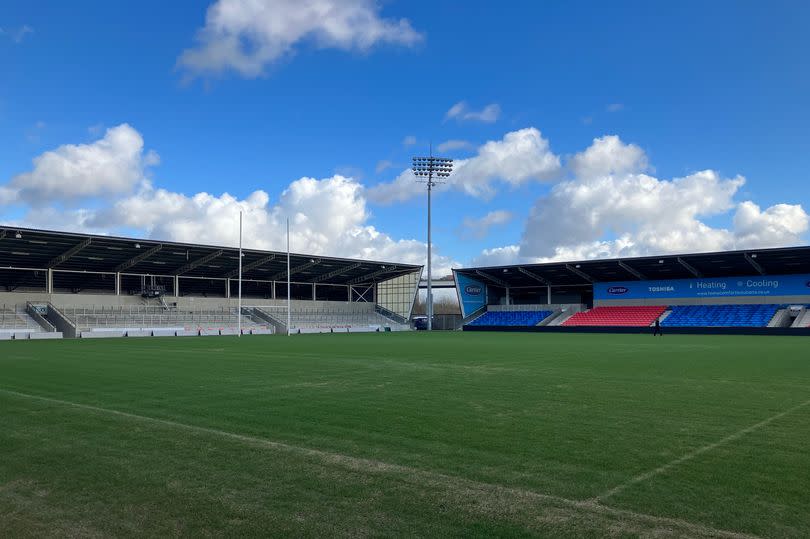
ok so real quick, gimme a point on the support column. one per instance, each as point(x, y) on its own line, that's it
point(228, 288)
point(349, 290)
point(117, 283)
point(314, 294)
point(49, 283)
point(549, 294)
point(273, 290)
point(507, 296)
point(176, 286)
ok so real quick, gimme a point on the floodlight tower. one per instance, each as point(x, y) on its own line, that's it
point(432, 171)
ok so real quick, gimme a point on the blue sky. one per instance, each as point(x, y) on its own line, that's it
point(693, 86)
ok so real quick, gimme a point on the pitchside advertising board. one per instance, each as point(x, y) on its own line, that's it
point(472, 293)
point(757, 286)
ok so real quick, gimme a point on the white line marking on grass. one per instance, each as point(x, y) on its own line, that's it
point(369, 465)
point(696, 453)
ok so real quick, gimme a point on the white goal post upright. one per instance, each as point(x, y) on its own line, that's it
point(239, 301)
point(289, 317)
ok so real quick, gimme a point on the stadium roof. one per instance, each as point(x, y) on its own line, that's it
point(41, 249)
point(782, 261)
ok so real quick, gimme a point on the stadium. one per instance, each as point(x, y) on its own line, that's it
point(174, 411)
point(59, 284)
point(376, 268)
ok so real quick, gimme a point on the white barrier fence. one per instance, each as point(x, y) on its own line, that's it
point(24, 335)
point(110, 333)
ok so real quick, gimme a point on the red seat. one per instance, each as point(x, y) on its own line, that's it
point(632, 316)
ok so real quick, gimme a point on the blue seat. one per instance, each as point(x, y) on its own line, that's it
point(720, 315)
point(511, 318)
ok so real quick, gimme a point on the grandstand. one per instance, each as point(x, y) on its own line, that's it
point(80, 285)
point(764, 291)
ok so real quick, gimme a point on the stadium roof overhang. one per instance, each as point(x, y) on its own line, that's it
point(65, 251)
point(781, 261)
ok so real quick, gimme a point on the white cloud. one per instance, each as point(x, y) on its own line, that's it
point(613, 208)
point(606, 156)
point(498, 256)
point(404, 187)
point(383, 165)
point(454, 144)
point(782, 224)
point(479, 228)
point(614, 107)
point(320, 212)
point(462, 112)
point(327, 217)
point(246, 36)
point(7, 195)
point(410, 140)
point(520, 157)
point(112, 165)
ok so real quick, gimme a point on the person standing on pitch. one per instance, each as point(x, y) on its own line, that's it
point(657, 330)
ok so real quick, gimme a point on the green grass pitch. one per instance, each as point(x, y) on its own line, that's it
point(446, 434)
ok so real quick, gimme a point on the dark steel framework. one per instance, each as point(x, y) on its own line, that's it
point(52, 261)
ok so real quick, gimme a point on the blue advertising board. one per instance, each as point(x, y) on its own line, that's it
point(472, 294)
point(756, 286)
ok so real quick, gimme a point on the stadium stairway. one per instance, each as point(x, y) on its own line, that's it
point(721, 315)
point(781, 319)
point(474, 316)
point(797, 321)
point(630, 316)
point(560, 318)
